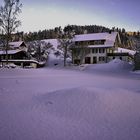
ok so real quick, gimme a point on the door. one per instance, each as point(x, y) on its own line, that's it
point(87, 60)
point(94, 60)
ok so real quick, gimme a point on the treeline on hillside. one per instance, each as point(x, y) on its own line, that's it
point(54, 33)
point(127, 39)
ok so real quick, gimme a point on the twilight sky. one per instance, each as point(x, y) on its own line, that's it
point(45, 14)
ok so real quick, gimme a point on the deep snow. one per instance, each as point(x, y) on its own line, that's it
point(97, 102)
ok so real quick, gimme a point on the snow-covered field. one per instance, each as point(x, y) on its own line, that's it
point(96, 102)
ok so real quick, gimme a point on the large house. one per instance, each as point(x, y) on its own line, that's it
point(95, 47)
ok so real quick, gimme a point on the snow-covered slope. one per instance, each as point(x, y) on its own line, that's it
point(56, 53)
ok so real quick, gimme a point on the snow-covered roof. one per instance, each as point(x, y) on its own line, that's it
point(96, 36)
point(123, 50)
point(22, 60)
point(10, 51)
point(108, 37)
point(16, 44)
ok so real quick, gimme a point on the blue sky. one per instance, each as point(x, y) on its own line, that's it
point(45, 14)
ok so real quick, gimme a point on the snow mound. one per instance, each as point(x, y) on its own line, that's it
point(115, 65)
point(137, 72)
point(56, 54)
point(92, 113)
point(76, 101)
point(54, 60)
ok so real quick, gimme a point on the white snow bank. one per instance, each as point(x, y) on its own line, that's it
point(57, 60)
point(137, 71)
point(115, 65)
point(54, 60)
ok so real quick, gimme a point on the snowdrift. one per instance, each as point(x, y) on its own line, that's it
point(91, 113)
point(115, 66)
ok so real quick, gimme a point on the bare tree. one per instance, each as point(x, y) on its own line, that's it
point(39, 49)
point(79, 52)
point(66, 41)
point(8, 19)
point(83, 51)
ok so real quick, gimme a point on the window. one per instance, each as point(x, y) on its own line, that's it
point(101, 58)
point(77, 61)
point(102, 41)
point(91, 43)
point(76, 51)
point(109, 51)
point(101, 50)
point(87, 51)
point(76, 43)
point(95, 50)
point(94, 60)
point(96, 42)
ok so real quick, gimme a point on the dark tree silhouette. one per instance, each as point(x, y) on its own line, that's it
point(8, 19)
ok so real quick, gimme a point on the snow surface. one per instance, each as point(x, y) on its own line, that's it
point(53, 42)
point(68, 104)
